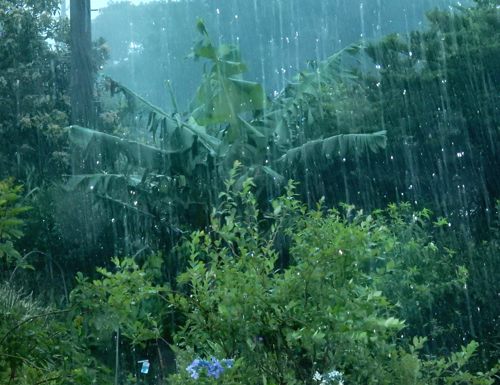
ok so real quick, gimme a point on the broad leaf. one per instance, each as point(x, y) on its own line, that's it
point(322, 150)
point(137, 153)
point(173, 133)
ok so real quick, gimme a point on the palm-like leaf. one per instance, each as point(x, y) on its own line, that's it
point(170, 130)
point(297, 113)
point(320, 150)
point(139, 154)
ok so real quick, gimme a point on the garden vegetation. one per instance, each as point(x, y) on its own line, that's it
point(344, 231)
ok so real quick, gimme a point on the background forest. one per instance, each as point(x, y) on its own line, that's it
point(316, 213)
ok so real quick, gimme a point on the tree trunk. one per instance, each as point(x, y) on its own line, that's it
point(82, 108)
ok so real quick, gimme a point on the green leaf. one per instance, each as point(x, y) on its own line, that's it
point(222, 101)
point(137, 153)
point(336, 146)
point(176, 135)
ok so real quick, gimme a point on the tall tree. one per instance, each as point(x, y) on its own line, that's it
point(82, 111)
point(34, 81)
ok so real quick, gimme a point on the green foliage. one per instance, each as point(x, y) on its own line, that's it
point(34, 111)
point(329, 310)
point(178, 171)
point(33, 89)
point(354, 291)
point(137, 154)
point(35, 347)
point(313, 104)
point(163, 33)
point(120, 301)
point(322, 150)
point(223, 94)
point(437, 89)
point(122, 311)
point(421, 273)
point(408, 368)
point(10, 223)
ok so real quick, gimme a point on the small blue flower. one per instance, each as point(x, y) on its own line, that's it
point(193, 368)
point(214, 368)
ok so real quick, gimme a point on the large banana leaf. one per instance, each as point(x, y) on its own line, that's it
point(138, 193)
point(303, 102)
point(223, 94)
point(329, 71)
point(322, 150)
point(220, 99)
point(139, 154)
point(172, 132)
point(113, 188)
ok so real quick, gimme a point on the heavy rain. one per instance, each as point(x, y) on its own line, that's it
point(250, 192)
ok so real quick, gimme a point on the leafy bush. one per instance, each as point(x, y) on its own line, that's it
point(120, 300)
point(323, 313)
point(421, 273)
point(120, 310)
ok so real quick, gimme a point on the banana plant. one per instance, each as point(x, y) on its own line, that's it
point(230, 119)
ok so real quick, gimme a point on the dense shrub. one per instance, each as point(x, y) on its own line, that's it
point(328, 311)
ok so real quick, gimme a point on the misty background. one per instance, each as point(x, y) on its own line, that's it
point(149, 41)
